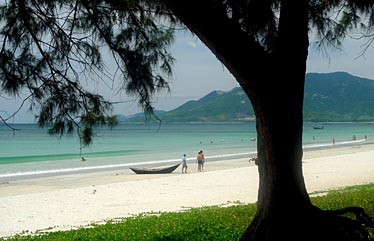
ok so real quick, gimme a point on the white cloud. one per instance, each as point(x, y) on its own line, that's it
point(192, 44)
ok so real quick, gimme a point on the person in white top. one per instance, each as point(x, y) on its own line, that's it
point(184, 164)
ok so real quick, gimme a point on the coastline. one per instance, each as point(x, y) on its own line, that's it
point(75, 200)
point(94, 168)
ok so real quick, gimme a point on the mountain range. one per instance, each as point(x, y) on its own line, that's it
point(337, 96)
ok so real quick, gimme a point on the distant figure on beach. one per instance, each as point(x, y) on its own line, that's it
point(333, 141)
point(184, 164)
point(254, 159)
point(366, 138)
point(203, 158)
point(83, 159)
point(354, 137)
point(200, 161)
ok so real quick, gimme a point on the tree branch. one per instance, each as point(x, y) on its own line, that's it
point(225, 38)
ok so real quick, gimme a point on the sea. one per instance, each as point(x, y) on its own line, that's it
point(31, 152)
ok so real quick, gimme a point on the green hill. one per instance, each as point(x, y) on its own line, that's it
point(328, 97)
point(217, 106)
point(338, 97)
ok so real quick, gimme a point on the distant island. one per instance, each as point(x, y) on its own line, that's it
point(337, 96)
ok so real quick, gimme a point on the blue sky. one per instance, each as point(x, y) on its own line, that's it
point(197, 72)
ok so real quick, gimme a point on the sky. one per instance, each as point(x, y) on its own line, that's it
point(197, 72)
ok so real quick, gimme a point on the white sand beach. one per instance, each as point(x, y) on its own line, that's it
point(72, 201)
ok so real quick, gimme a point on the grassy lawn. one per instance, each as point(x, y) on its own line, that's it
point(210, 223)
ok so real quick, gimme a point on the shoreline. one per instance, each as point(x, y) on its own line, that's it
point(76, 200)
point(110, 167)
point(6, 178)
point(52, 182)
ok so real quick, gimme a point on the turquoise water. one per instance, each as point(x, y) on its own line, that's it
point(31, 151)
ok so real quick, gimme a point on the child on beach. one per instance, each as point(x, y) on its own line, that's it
point(184, 164)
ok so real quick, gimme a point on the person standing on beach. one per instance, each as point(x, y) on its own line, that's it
point(184, 164)
point(200, 160)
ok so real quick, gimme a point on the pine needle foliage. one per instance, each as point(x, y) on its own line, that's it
point(48, 49)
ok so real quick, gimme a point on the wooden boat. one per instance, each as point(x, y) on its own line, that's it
point(318, 127)
point(155, 170)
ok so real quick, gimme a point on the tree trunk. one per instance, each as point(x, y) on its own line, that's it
point(282, 194)
point(274, 82)
point(282, 197)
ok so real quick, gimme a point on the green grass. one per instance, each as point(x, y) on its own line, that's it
point(209, 223)
point(360, 196)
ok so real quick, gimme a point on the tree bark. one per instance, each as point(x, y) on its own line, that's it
point(282, 197)
point(274, 82)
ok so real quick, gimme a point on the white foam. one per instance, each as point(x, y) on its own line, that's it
point(331, 144)
point(115, 166)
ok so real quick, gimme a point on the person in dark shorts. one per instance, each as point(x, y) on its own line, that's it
point(200, 161)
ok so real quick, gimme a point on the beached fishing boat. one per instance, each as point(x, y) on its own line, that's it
point(155, 170)
point(318, 127)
